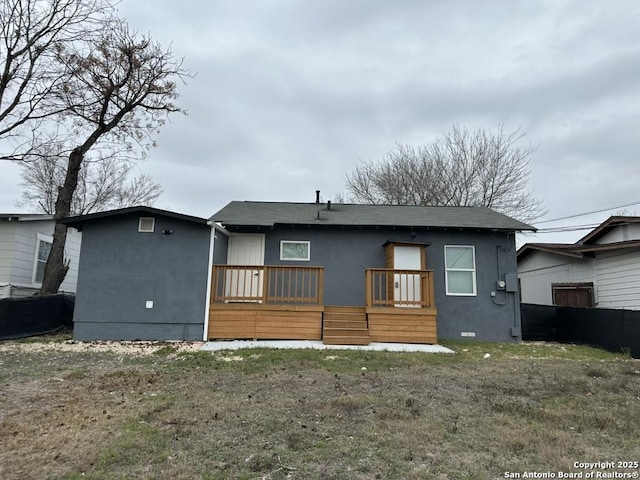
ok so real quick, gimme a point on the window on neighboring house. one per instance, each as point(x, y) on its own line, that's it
point(146, 224)
point(295, 250)
point(460, 270)
point(43, 249)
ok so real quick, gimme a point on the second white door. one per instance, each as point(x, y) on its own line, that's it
point(407, 285)
point(245, 249)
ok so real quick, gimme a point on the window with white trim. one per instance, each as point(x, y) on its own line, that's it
point(43, 249)
point(298, 251)
point(460, 270)
point(146, 224)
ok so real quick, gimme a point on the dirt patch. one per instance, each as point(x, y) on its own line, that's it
point(74, 411)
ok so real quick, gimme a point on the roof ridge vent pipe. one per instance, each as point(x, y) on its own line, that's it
point(317, 196)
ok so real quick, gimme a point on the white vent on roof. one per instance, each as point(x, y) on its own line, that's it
point(146, 224)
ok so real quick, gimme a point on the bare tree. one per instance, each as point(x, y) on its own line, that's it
point(118, 90)
point(103, 183)
point(479, 168)
point(32, 32)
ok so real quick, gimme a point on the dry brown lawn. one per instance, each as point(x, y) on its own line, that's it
point(110, 411)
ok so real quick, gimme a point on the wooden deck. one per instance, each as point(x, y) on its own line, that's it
point(402, 325)
point(258, 321)
point(273, 302)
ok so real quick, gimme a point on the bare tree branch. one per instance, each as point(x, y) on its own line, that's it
point(118, 90)
point(478, 168)
point(32, 32)
point(74, 80)
point(103, 184)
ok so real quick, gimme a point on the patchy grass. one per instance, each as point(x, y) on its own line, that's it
point(298, 414)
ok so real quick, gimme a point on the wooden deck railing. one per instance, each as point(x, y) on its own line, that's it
point(273, 284)
point(388, 287)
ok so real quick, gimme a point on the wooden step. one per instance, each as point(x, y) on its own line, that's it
point(332, 323)
point(344, 325)
point(343, 332)
point(345, 316)
point(348, 340)
point(343, 309)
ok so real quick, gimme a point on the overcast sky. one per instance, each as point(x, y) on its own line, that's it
point(289, 95)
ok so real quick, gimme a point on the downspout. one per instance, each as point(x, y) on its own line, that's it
point(212, 240)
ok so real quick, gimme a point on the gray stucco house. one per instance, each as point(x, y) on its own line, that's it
point(359, 273)
point(340, 273)
point(25, 242)
point(143, 275)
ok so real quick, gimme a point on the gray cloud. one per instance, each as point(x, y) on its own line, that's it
point(289, 95)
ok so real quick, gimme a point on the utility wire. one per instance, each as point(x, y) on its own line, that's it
point(590, 213)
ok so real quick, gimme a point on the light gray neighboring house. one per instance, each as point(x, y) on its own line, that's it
point(602, 269)
point(143, 275)
point(25, 241)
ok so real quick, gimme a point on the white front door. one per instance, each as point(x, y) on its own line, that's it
point(406, 285)
point(245, 283)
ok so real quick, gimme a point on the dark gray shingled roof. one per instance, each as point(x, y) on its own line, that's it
point(267, 214)
point(79, 220)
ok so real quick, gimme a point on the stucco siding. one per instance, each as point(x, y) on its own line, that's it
point(619, 280)
point(345, 253)
point(121, 270)
point(220, 248)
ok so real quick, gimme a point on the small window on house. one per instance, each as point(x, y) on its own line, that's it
point(43, 249)
point(460, 270)
point(146, 224)
point(294, 250)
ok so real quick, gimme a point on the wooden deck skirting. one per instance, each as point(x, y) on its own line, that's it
point(260, 321)
point(402, 325)
point(282, 302)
